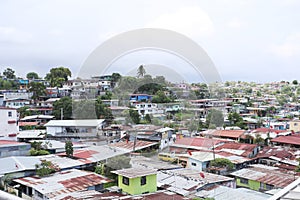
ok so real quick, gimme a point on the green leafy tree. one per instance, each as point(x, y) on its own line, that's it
point(160, 97)
point(141, 71)
point(148, 118)
point(134, 115)
point(295, 82)
point(37, 89)
point(57, 76)
point(259, 140)
point(69, 148)
point(9, 73)
point(84, 109)
point(45, 168)
point(32, 76)
point(236, 120)
point(214, 118)
point(64, 103)
point(221, 163)
point(116, 77)
point(115, 163)
point(103, 111)
point(24, 111)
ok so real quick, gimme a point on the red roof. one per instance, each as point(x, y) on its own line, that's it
point(291, 139)
point(28, 123)
point(228, 133)
point(198, 142)
point(10, 142)
point(130, 144)
point(248, 148)
point(266, 130)
point(83, 154)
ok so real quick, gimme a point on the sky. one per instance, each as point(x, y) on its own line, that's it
point(248, 40)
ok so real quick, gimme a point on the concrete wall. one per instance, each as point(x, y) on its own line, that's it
point(135, 186)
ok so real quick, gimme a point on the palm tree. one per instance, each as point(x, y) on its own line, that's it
point(141, 71)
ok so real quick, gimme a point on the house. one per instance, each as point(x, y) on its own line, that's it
point(137, 180)
point(27, 135)
point(281, 157)
point(291, 191)
point(188, 182)
point(262, 178)
point(8, 122)
point(16, 103)
point(290, 140)
point(13, 148)
point(222, 193)
point(294, 125)
point(199, 161)
point(182, 145)
point(61, 183)
point(225, 134)
point(40, 119)
point(240, 149)
point(18, 166)
point(72, 128)
point(140, 98)
point(144, 108)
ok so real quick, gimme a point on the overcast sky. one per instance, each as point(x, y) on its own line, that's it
point(251, 40)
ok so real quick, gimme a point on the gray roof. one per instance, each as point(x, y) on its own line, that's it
point(75, 123)
point(18, 164)
point(226, 193)
point(135, 172)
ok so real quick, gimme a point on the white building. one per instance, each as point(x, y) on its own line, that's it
point(148, 108)
point(75, 127)
point(8, 122)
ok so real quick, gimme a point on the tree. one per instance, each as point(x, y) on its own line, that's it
point(114, 163)
point(69, 148)
point(9, 73)
point(103, 111)
point(134, 115)
point(57, 76)
point(32, 76)
point(45, 168)
point(24, 111)
point(160, 97)
point(222, 162)
point(116, 77)
point(37, 89)
point(141, 71)
point(147, 118)
point(236, 120)
point(6, 180)
point(64, 103)
point(259, 140)
point(295, 82)
point(214, 118)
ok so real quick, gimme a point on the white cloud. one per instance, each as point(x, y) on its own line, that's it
point(235, 23)
point(289, 48)
point(191, 21)
point(56, 32)
point(13, 35)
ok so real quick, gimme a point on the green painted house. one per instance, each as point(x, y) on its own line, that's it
point(137, 181)
point(262, 178)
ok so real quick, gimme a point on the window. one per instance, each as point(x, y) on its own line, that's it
point(269, 187)
point(125, 180)
point(244, 181)
point(143, 180)
point(9, 114)
point(194, 164)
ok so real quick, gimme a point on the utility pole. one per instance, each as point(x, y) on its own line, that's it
point(61, 113)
